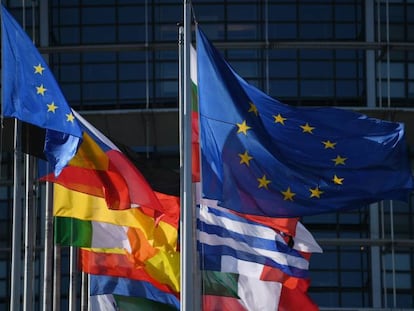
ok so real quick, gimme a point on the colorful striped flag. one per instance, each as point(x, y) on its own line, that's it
point(233, 292)
point(111, 302)
point(149, 244)
point(103, 284)
point(100, 169)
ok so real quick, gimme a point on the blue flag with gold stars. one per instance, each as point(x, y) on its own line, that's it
point(31, 94)
point(262, 157)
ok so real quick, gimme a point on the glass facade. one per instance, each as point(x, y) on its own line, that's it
point(116, 56)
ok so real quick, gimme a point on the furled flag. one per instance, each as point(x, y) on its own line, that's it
point(31, 94)
point(195, 141)
point(262, 157)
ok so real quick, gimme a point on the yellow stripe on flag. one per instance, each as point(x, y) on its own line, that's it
point(107, 250)
point(90, 155)
point(68, 203)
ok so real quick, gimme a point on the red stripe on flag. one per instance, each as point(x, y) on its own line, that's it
point(117, 265)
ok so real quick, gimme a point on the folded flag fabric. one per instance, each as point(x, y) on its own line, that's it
point(102, 284)
point(92, 234)
point(262, 157)
point(31, 94)
point(195, 142)
point(73, 204)
point(99, 168)
point(116, 302)
point(233, 292)
point(222, 235)
point(150, 245)
point(115, 262)
point(231, 281)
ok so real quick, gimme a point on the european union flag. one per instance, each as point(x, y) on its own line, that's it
point(31, 94)
point(262, 157)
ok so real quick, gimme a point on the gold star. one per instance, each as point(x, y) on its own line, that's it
point(263, 182)
point(51, 107)
point(245, 158)
point(307, 128)
point(243, 127)
point(337, 180)
point(288, 195)
point(253, 108)
point(38, 69)
point(315, 193)
point(329, 145)
point(41, 90)
point(70, 117)
point(339, 160)
point(279, 119)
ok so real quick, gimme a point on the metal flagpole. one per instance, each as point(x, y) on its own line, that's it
point(17, 222)
point(48, 288)
point(57, 260)
point(30, 218)
point(17, 216)
point(187, 220)
point(84, 292)
point(30, 237)
point(73, 278)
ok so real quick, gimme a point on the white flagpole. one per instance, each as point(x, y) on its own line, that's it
point(189, 290)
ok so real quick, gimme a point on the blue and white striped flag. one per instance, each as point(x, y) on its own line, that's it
point(225, 238)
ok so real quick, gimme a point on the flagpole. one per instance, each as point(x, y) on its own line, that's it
point(84, 292)
point(187, 242)
point(57, 262)
point(73, 278)
point(30, 237)
point(30, 218)
point(16, 252)
point(17, 222)
point(48, 253)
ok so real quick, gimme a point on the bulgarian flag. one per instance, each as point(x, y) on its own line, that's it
point(195, 145)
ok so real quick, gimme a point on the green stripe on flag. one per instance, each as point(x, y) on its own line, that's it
point(194, 97)
point(220, 283)
point(72, 232)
